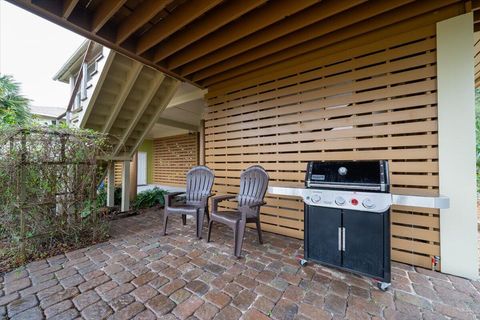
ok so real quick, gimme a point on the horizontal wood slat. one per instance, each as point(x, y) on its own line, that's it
point(374, 101)
point(173, 157)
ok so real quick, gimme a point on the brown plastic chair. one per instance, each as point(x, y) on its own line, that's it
point(253, 186)
point(199, 187)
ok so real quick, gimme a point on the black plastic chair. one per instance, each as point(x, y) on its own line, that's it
point(199, 187)
point(253, 186)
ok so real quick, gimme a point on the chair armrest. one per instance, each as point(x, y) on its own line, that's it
point(204, 201)
point(217, 199)
point(253, 205)
point(169, 196)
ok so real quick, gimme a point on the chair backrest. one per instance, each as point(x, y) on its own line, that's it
point(199, 183)
point(253, 186)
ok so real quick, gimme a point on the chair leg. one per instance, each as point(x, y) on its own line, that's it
point(259, 231)
point(209, 230)
point(238, 236)
point(207, 214)
point(200, 218)
point(184, 219)
point(165, 220)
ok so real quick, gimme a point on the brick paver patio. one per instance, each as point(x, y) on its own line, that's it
point(140, 274)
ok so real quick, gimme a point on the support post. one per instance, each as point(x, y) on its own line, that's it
point(456, 144)
point(111, 184)
point(201, 147)
point(83, 84)
point(125, 186)
point(133, 176)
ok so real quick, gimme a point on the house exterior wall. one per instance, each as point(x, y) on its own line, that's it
point(173, 157)
point(371, 97)
point(147, 146)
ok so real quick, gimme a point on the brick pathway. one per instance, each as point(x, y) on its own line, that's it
point(142, 275)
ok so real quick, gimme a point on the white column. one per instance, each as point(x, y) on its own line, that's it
point(111, 184)
point(83, 83)
point(125, 186)
point(456, 143)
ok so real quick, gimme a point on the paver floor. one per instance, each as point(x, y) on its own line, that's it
point(140, 274)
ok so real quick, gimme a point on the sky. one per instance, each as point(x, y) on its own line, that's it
point(32, 50)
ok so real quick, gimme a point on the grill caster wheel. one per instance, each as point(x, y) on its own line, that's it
point(383, 286)
point(301, 261)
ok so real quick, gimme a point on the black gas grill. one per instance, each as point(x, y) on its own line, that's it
point(347, 217)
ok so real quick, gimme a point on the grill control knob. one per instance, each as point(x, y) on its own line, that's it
point(340, 201)
point(316, 198)
point(368, 203)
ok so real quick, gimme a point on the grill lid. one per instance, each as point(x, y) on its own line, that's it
point(348, 175)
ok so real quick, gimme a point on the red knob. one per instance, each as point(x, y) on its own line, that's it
point(354, 201)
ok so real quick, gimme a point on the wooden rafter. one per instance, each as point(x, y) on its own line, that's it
point(104, 12)
point(186, 97)
point(300, 20)
point(312, 31)
point(177, 124)
point(179, 18)
point(141, 107)
point(249, 23)
point(145, 11)
point(122, 96)
point(68, 6)
point(207, 41)
point(218, 17)
point(385, 22)
point(170, 91)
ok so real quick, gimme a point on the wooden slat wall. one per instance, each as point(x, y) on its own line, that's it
point(173, 157)
point(118, 173)
point(374, 100)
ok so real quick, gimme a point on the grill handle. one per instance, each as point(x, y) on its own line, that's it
point(346, 186)
point(340, 238)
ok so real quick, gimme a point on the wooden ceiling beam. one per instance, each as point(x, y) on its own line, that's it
point(180, 17)
point(323, 10)
point(68, 6)
point(383, 21)
point(140, 109)
point(251, 22)
point(352, 16)
point(217, 18)
point(171, 86)
point(104, 12)
point(122, 95)
point(177, 124)
point(139, 17)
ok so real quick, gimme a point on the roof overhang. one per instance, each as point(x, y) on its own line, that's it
point(206, 42)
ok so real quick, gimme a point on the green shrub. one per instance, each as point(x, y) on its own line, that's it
point(149, 198)
point(48, 179)
point(102, 197)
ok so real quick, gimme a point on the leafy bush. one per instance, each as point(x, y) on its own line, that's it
point(149, 198)
point(102, 197)
point(48, 181)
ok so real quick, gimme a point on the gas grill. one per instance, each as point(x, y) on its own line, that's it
point(347, 217)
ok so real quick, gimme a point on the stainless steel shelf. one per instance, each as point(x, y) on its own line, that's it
point(440, 202)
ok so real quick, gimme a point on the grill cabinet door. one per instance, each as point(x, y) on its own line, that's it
point(322, 235)
point(364, 242)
